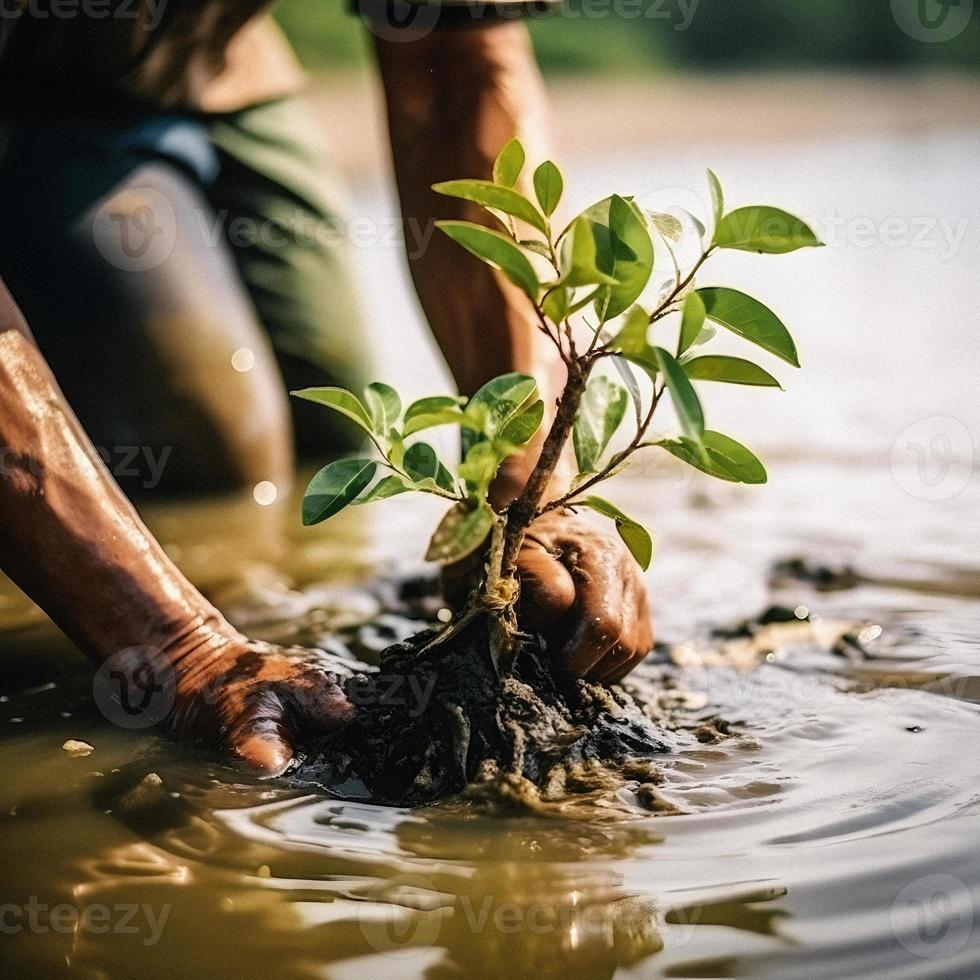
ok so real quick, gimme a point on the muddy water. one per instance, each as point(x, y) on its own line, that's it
point(833, 834)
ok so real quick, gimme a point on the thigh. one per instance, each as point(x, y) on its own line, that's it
point(141, 314)
point(282, 210)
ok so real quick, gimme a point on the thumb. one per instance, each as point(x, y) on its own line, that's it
point(547, 588)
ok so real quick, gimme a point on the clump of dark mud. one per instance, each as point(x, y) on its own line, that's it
point(438, 720)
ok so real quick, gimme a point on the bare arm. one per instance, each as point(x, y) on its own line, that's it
point(455, 97)
point(72, 541)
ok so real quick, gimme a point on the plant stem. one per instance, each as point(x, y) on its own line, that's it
point(524, 509)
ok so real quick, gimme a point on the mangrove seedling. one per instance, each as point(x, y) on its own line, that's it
point(595, 298)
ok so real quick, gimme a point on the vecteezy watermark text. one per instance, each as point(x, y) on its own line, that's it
point(97, 919)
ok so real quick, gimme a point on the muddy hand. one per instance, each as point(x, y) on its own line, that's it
point(258, 701)
point(580, 585)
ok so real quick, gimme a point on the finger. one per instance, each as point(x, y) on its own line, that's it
point(260, 738)
point(547, 588)
point(612, 664)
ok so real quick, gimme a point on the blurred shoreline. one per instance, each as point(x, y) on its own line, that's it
point(686, 109)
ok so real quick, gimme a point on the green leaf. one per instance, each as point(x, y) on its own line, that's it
point(334, 487)
point(764, 229)
point(635, 536)
point(599, 414)
point(750, 319)
point(625, 252)
point(499, 400)
point(396, 447)
point(384, 406)
point(429, 412)
point(717, 197)
point(578, 257)
point(340, 400)
point(389, 486)
point(692, 321)
point(555, 305)
point(494, 196)
point(718, 456)
point(682, 394)
point(509, 163)
point(520, 429)
point(733, 370)
point(548, 187)
point(495, 249)
point(480, 466)
point(422, 464)
point(632, 336)
point(460, 532)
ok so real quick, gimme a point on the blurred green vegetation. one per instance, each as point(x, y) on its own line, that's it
point(627, 36)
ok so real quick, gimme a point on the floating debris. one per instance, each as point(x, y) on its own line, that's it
point(78, 749)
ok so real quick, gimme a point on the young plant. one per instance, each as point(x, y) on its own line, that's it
point(590, 288)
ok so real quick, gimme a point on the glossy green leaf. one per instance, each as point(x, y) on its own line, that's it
point(426, 413)
point(719, 456)
point(521, 429)
point(717, 197)
point(491, 195)
point(692, 322)
point(499, 400)
point(495, 249)
point(384, 406)
point(632, 336)
point(600, 413)
point(396, 447)
point(340, 400)
point(635, 536)
point(556, 304)
point(548, 187)
point(334, 487)
point(683, 395)
point(509, 163)
point(421, 464)
point(579, 257)
point(389, 486)
point(625, 251)
point(750, 319)
point(764, 229)
point(733, 370)
point(463, 529)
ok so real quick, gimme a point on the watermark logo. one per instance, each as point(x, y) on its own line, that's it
point(135, 688)
point(932, 459)
point(136, 230)
point(932, 21)
point(933, 916)
point(401, 912)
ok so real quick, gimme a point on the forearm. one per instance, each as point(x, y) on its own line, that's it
point(455, 97)
point(68, 536)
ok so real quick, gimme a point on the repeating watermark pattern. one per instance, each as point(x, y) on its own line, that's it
point(915, 232)
point(148, 12)
point(144, 463)
point(400, 20)
point(394, 690)
point(933, 458)
point(932, 917)
point(96, 919)
point(135, 688)
point(933, 21)
point(136, 229)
